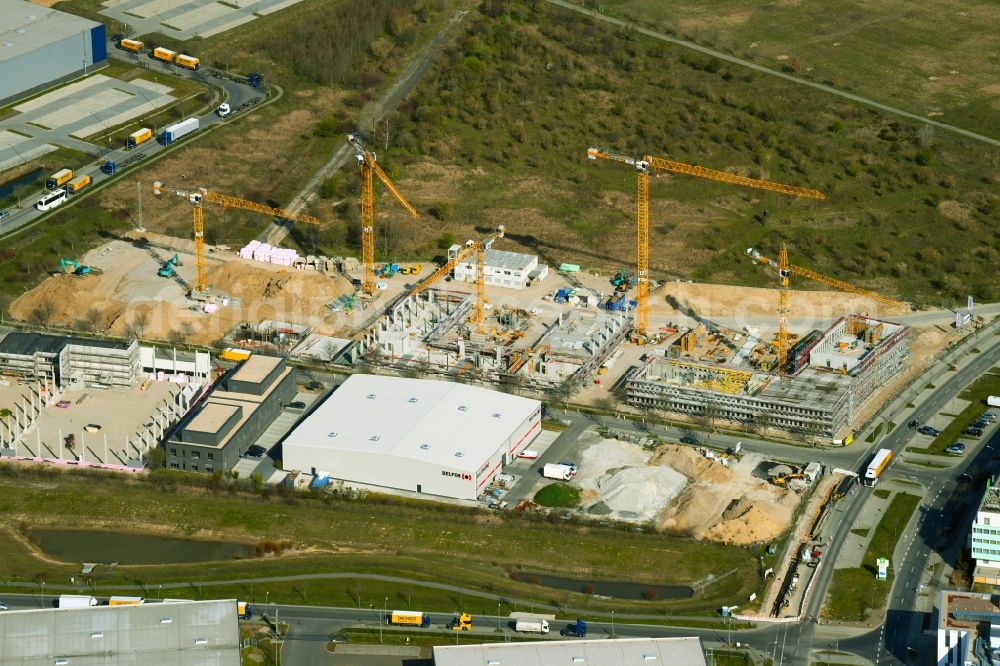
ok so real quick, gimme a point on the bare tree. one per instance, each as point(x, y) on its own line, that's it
point(42, 313)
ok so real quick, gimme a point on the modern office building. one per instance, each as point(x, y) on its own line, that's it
point(985, 536)
point(431, 437)
point(232, 416)
point(189, 633)
point(968, 629)
point(39, 47)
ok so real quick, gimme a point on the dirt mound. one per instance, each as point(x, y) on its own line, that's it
point(253, 282)
point(695, 509)
point(758, 523)
point(66, 300)
point(640, 492)
point(690, 463)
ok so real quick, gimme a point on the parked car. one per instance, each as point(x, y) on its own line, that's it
point(927, 430)
point(528, 455)
point(913, 425)
point(63, 404)
point(980, 423)
point(298, 404)
point(4, 214)
point(3, 606)
point(972, 432)
point(989, 416)
point(256, 451)
point(92, 427)
point(688, 439)
point(956, 449)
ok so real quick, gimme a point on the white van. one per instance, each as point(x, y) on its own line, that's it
point(50, 201)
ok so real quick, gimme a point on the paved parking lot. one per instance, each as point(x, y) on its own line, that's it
point(183, 20)
point(274, 433)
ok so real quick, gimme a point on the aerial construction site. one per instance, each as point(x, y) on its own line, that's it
point(501, 318)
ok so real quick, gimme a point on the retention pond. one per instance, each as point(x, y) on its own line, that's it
point(131, 548)
point(616, 589)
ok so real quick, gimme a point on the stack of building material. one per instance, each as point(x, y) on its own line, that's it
point(269, 254)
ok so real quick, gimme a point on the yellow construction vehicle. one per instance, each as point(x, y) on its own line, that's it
point(478, 247)
point(196, 198)
point(642, 166)
point(461, 622)
point(368, 166)
point(785, 271)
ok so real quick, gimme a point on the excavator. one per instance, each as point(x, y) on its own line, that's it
point(71, 267)
point(168, 269)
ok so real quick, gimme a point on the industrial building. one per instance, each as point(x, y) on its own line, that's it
point(589, 652)
point(985, 538)
point(219, 429)
point(501, 268)
point(189, 633)
point(425, 436)
point(40, 47)
point(832, 377)
point(70, 362)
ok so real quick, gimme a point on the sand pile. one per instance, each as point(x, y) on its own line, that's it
point(690, 463)
point(754, 520)
point(640, 492)
point(66, 300)
point(255, 282)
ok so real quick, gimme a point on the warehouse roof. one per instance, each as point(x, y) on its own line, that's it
point(514, 261)
point(595, 652)
point(190, 633)
point(25, 27)
point(449, 424)
point(26, 344)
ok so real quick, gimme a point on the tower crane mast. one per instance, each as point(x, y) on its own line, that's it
point(369, 166)
point(197, 197)
point(642, 166)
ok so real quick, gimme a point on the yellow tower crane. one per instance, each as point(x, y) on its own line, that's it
point(642, 167)
point(478, 247)
point(196, 199)
point(785, 271)
point(368, 165)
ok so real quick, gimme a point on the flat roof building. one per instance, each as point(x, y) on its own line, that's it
point(432, 437)
point(40, 47)
point(219, 430)
point(65, 361)
point(591, 652)
point(190, 633)
point(968, 630)
point(985, 537)
point(501, 268)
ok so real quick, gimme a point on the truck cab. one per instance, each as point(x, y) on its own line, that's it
point(224, 110)
point(461, 622)
point(577, 629)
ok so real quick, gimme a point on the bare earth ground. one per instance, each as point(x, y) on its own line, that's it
point(128, 286)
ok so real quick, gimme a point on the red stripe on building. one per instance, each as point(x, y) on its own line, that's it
point(489, 475)
point(530, 430)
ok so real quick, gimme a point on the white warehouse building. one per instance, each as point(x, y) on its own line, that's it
point(431, 437)
point(501, 268)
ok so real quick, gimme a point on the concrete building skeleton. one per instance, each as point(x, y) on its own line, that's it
point(852, 360)
point(65, 360)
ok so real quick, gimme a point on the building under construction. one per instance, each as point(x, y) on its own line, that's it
point(831, 375)
point(430, 332)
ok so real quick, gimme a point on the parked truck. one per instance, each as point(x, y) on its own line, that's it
point(187, 62)
point(130, 45)
point(531, 625)
point(461, 622)
point(557, 471)
point(78, 184)
point(405, 618)
point(178, 130)
point(577, 629)
point(243, 610)
point(76, 601)
point(126, 601)
point(993, 400)
point(163, 55)
point(59, 178)
point(137, 137)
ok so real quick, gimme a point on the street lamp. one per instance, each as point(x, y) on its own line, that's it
point(612, 624)
point(498, 616)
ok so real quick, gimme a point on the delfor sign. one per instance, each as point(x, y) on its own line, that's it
point(457, 475)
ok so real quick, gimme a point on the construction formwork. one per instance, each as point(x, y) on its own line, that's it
point(853, 359)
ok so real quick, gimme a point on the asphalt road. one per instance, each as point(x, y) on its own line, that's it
point(232, 92)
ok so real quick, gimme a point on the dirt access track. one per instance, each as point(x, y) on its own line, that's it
point(125, 290)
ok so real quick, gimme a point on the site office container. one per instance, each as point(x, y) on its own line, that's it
point(133, 45)
point(138, 136)
point(59, 178)
point(165, 55)
point(78, 184)
point(187, 62)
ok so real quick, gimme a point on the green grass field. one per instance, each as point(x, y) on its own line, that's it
point(854, 592)
point(502, 127)
point(933, 59)
point(558, 495)
point(421, 540)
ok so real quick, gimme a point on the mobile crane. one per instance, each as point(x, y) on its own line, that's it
point(196, 199)
point(643, 165)
point(368, 165)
